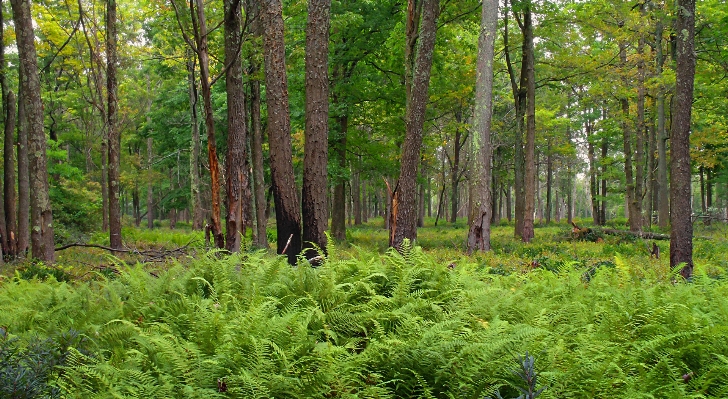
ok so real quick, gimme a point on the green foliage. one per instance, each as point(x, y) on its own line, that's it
point(383, 325)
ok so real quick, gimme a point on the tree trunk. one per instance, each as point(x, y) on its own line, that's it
point(288, 217)
point(603, 210)
point(530, 147)
point(198, 15)
point(480, 179)
point(150, 190)
point(681, 237)
point(198, 217)
point(455, 170)
point(113, 128)
point(236, 174)
point(41, 214)
point(421, 33)
point(23, 177)
point(421, 207)
point(639, 190)
point(549, 184)
point(365, 202)
point(315, 162)
point(593, 178)
point(9, 204)
point(663, 193)
point(257, 157)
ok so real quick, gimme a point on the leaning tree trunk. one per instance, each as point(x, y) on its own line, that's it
point(418, 63)
point(113, 128)
point(530, 147)
point(480, 209)
point(41, 214)
point(315, 161)
point(288, 217)
point(681, 237)
point(237, 175)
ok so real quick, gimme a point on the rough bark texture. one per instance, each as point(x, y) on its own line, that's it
point(261, 237)
point(480, 179)
point(529, 191)
point(206, 83)
point(288, 217)
point(23, 179)
point(237, 176)
point(41, 215)
point(681, 237)
point(418, 63)
point(315, 160)
point(113, 128)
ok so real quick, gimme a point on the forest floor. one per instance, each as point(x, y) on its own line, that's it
point(592, 319)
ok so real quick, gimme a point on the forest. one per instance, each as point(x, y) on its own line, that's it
point(364, 199)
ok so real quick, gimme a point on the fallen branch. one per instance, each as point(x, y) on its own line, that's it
point(287, 244)
point(78, 244)
point(640, 234)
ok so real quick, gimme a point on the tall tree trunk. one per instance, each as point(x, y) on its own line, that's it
point(236, 174)
point(549, 183)
point(315, 161)
point(150, 190)
point(288, 217)
point(663, 193)
point(365, 202)
point(421, 207)
point(41, 213)
point(356, 198)
point(113, 128)
point(639, 190)
point(481, 149)
point(23, 177)
point(593, 174)
point(9, 114)
point(630, 194)
point(197, 213)
point(257, 158)
point(201, 33)
point(530, 147)
point(681, 237)
point(421, 32)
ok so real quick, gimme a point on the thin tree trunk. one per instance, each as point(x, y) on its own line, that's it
point(288, 216)
point(663, 193)
point(630, 194)
point(236, 173)
point(421, 33)
point(530, 147)
point(11, 225)
point(198, 217)
point(257, 157)
point(480, 180)
point(356, 199)
point(41, 214)
point(23, 178)
point(640, 134)
point(365, 202)
point(338, 212)
point(113, 128)
point(150, 190)
point(421, 207)
point(549, 184)
point(681, 238)
point(455, 170)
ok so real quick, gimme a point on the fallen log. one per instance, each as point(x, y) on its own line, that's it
point(639, 234)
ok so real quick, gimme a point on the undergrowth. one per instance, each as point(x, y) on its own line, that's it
point(368, 324)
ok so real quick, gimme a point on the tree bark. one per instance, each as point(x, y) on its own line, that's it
point(639, 190)
point(236, 174)
point(663, 192)
point(455, 169)
point(421, 32)
point(113, 128)
point(41, 214)
point(23, 178)
point(197, 213)
point(338, 212)
point(261, 236)
point(288, 217)
point(681, 237)
point(481, 149)
point(315, 161)
point(530, 147)
point(9, 115)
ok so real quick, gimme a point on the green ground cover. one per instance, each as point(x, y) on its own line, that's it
point(602, 320)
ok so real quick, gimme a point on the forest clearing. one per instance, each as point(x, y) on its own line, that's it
point(364, 199)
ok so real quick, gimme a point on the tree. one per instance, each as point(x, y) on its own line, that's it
point(41, 215)
point(480, 181)
point(681, 237)
point(288, 217)
point(315, 186)
point(114, 133)
point(237, 175)
point(421, 31)
point(9, 114)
